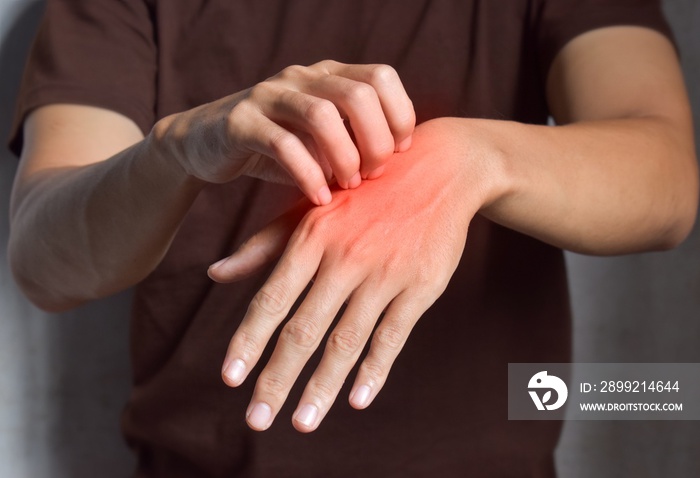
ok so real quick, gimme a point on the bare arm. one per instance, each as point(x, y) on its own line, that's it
point(84, 226)
point(619, 176)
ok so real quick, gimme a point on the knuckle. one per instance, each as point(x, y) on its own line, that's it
point(292, 71)
point(271, 300)
point(383, 151)
point(280, 141)
point(302, 233)
point(301, 332)
point(389, 337)
point(353, 251)
point(326, 65)
point(319, 112)
point(427, 282)
point(421, 277)
point(383, 74)
point(373, 370)
point(345, 342)
point(260, 98)
point(408, 120)
point(314, 228)
point(272, 383)
point(438, 287)
point(359, 93)
point(246, 345)
point(323, 389)
point(258, 91)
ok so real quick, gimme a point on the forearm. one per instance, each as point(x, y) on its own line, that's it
point(79, 233)
point(597, 187)
point(83, 227)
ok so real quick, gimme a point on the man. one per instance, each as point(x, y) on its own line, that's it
point(133, 157)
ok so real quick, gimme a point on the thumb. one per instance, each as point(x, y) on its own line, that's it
point(260, 249)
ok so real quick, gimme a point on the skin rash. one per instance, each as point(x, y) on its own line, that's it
point(619, 175)
point(411, 223)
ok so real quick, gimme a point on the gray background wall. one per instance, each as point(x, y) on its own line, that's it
point(63, 379)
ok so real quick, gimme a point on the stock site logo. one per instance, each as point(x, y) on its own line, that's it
point(542, 381)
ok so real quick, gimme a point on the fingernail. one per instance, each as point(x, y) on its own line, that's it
point(405, 144)
point(234, 371)
point(307, 415)
point(217, 264)
point(361, 396)
point(376, 173)
point(324, 196)
point(259, 416)
point(355, 181)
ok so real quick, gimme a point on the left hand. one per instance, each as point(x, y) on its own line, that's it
point(391, 245)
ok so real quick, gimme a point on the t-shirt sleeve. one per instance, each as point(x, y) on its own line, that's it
point(559, 21)
point(91, 52)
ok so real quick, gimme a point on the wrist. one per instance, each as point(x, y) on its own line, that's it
point(158, 147)
point(479, 157)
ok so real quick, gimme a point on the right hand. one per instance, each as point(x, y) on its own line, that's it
point(291, 129)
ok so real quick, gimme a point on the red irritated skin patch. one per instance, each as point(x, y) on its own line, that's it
point(392, 243)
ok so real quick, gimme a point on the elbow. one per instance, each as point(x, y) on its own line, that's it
point(675, 235)
point(679, 232)
point(54, 306)
point(40, 295)
point(42, 298)
point(681, 221)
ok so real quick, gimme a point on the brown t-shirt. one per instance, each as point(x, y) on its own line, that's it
point(443, 410)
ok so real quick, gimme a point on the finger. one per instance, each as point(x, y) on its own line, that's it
point(397, 106)
point(298, 340)
point(264, 136)
point(317, 153)
point(260, 249)
point(267, 310)
point(359, 102)
point(268, 169)
point(343, 348)
point(387, 341)
point(321, 119)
